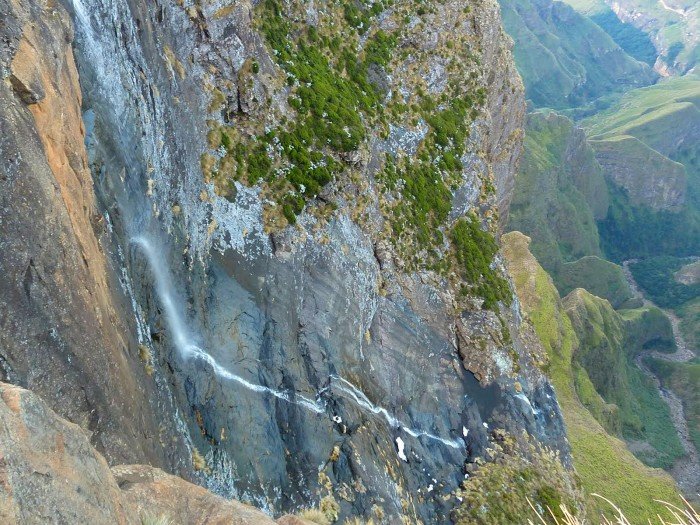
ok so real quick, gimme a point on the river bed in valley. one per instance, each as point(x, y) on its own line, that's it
point(686, 471)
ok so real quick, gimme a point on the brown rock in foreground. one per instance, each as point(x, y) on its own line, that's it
point(150, 491)
point(49, 473)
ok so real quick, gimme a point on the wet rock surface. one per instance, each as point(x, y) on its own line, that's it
point(51, 474)
point(66, 330)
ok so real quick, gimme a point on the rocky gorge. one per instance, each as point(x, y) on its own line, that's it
point(255, 246)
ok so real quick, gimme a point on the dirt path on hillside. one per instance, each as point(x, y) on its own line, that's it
point(686, 471)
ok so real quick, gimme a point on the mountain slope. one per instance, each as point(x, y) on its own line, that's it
point(671, 27)
point(648, 147)
point(602, 462)
point(565, 59)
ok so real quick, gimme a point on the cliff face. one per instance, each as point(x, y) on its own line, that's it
point(354, 341)
point(65, 330)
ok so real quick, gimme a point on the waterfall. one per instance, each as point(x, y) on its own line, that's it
point(184, 342)
point(118, 85)
point(188, 349)
point(361, 400)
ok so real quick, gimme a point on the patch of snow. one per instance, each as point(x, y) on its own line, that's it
point(400, 446)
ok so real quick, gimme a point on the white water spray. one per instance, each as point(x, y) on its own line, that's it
point(360, 399)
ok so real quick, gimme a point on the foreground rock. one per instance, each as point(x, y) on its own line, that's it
point(49, 473)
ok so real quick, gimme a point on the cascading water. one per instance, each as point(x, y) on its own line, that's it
point(188, 350)
point(247, 354)
point(183, 340)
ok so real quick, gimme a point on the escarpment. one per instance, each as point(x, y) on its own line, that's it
point(65, 330)
point(298, 207)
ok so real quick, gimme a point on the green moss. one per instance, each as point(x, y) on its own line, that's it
point(475, 250)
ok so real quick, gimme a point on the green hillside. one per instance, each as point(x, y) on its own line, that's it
point(559, 193)
point(608, 342)
point(664, 118)
point(603, 462)
point(683, 379)
point(600, 277)
point(565, 59)
point(671, 29)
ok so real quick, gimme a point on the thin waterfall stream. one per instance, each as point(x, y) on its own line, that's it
point(189, 350)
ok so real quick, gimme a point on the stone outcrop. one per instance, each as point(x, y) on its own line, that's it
point(308, 363)
point(50, 473)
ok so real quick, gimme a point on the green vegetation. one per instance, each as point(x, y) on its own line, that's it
point(607, 344)
point(665, 118)
point(559, 194)
point(656, 276)
point(554, 56)
point(689, 314)
point(475, 250)
point(602, 462)
point(631, 231)
point(333, 74)
point(334, 102)
point(498, 491)
point(683, 379)
point(630, 38)
point(598, 276)
point(652, 23)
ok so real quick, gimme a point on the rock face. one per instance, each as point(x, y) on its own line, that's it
point(65, 328)
point(51, 474)
point(308, 361)
point(149, 491)
point(650, 179)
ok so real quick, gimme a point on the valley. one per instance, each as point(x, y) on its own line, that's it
point(608, 192)
point(685, 471)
